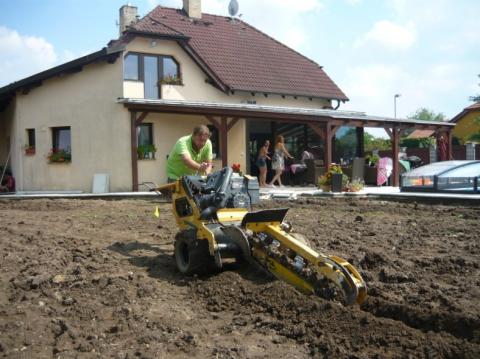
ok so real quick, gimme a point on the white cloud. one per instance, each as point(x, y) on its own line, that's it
point(21, 56)
point(390, 35)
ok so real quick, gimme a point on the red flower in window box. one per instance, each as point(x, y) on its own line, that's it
point(29, 150)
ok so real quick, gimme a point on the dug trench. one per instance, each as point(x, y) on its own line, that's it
point(96, 279)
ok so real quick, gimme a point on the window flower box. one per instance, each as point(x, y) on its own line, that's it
point(171, 80)
point(29, 150)
point(59, 156)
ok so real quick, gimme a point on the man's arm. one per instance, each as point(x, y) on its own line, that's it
point(191, 163)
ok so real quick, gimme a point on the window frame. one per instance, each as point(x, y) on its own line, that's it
point(160, 68)
point(148, 125)
point(30, 141)
point(215, 139)
point(63, 154)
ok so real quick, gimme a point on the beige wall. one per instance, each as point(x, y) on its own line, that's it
point(165, 134)
point(195, 88)
point(6, 132)
point(100, 131)
point(467, 126)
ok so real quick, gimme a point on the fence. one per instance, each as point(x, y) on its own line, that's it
point(459, 152)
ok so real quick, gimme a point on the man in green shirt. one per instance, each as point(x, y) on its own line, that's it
point(191, 154)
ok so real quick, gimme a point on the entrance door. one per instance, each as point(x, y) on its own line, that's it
point(257, 133)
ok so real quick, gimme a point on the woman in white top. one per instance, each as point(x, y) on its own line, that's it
point(278, 160)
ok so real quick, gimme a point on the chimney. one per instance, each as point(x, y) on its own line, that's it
point(193, 8)
point(128, 16)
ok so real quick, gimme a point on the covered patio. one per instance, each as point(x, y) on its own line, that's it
point(323, 123)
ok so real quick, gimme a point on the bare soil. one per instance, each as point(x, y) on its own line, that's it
point(96, 279)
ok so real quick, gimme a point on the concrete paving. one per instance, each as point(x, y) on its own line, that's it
point(278, 193)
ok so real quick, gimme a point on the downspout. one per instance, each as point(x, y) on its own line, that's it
point(338, 105)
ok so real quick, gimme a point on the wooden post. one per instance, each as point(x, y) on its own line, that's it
point(133, 140)
point(449, 145)
point(360, 142)
point(223, 140)
point(395, 151)
point(328, 146)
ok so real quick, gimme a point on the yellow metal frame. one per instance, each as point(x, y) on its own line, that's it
point(336, 269)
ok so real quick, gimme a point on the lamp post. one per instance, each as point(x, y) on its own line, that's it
point(397, 95)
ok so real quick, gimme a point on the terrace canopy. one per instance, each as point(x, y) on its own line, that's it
point(323, 122)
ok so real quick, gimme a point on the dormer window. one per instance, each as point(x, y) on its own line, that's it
point(153, 71)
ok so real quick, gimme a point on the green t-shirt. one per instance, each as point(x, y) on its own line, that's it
point(176, 168)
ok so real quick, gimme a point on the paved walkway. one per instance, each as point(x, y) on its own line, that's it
point(265, 194)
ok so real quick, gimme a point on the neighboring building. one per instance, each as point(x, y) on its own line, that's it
point(167, 72)
point(467, 123)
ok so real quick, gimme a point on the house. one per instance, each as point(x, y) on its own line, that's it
point(467, 123)
point(166, 73)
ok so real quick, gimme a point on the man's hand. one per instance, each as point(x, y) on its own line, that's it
point(203, 166)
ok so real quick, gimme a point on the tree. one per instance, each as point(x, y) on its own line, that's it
point(475, 98)
point(371, 143)
point(424, 114)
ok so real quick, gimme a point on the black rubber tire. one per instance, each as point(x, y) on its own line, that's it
point(191, 254)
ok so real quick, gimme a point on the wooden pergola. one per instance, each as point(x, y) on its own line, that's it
point(324, 123)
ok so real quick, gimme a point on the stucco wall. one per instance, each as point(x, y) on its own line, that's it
point(100, 130)
point(466, 126)
point(195, 88)
point(167, 128)
point(6, 131)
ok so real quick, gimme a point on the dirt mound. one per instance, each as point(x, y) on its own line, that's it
point(97, 279)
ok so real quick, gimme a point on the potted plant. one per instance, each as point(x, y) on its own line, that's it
point(59, 155)
point(333, 178)
point(355, 186)
point(151, 150)
point(141, 150)
point(236, 168)
point(372, 160)
point(171, 80)
point(29, 150)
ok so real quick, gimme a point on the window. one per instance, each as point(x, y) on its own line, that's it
point(151, 77)
point(215, 139)
point(152, 70)
point(170, 72)
point(131, 67)
point(61, 145)
point(30, 145)
point(145, 146)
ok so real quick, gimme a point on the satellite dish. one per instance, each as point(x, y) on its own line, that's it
point(233, 8)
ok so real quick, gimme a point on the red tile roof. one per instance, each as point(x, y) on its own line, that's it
point(421, 134)
point(240, 56)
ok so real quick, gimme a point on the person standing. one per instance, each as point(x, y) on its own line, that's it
point(278, 160)
point(191, 154)
point(262, 163)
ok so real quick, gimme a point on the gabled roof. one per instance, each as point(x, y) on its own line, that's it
point(240, 57)
point(466, 110)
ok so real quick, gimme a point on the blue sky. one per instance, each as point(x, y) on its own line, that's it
point(428, 51)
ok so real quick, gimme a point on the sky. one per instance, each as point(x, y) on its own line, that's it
point(427, 51)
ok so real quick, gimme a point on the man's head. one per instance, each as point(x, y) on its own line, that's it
point(200, 136)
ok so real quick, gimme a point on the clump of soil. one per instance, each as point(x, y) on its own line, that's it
point(96, 279)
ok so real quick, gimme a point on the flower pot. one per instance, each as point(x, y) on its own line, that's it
point(337, 182)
